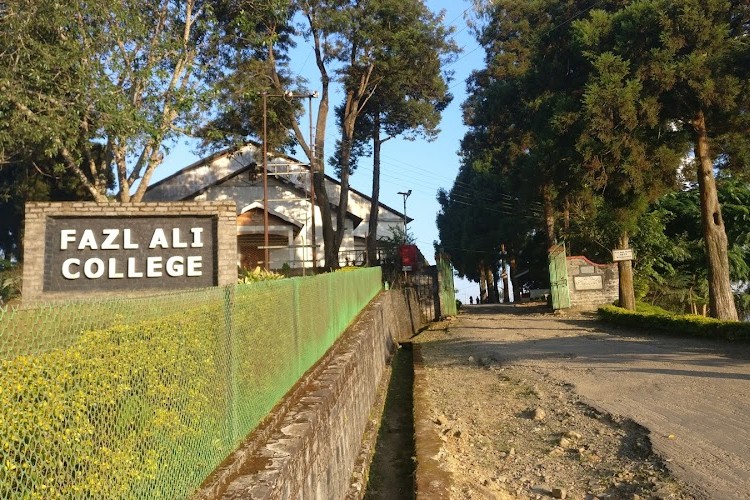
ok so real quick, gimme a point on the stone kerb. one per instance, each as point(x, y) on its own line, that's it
point(133, 240)
point(591, 285)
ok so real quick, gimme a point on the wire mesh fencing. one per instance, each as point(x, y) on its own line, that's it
point(144, 397)
point(447, 289)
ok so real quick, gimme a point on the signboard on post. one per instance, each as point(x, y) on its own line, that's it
point(621, 254)
point(408, 255)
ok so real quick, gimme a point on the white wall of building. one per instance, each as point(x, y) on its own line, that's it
point(220, 177)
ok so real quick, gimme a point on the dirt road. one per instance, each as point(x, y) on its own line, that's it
point(644, 416)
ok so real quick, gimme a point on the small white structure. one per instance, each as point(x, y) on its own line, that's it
point(238, 175)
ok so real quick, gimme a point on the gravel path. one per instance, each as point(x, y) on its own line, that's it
point(656, 417)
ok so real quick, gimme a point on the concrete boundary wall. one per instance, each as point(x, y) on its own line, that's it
point(310, 445)
point(591, 285)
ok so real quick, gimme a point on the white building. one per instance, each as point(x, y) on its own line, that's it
point(238, 175)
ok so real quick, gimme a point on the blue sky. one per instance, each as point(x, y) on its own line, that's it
point(421, 166)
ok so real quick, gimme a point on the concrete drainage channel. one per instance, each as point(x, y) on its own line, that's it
point(405, 464)
point(393, 465)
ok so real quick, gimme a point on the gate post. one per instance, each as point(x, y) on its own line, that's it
point(558, 277)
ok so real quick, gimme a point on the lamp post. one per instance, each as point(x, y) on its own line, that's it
point(286, 95)
point(405, 195)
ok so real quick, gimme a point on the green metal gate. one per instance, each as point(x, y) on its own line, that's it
point(558, 277)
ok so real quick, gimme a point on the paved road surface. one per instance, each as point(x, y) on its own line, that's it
point(694, 396)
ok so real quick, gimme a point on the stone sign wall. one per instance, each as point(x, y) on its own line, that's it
point(591, 285)
point(76, 249)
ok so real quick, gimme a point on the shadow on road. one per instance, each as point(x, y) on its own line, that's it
point(517, 309)
point(585, 342)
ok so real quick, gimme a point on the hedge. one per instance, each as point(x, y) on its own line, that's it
point(678, 325)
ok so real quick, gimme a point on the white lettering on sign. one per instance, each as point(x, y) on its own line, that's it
point(175, 266)
point(159, 239)
point(126, 243)
point(132, 272)
point(197, 234)
point(109, 241)
point(67, 236)
point(153, 266)
point(194, 265)
point(66, 271)
point(113, 274)
point(176, 243)
point(87, 240)
point(93, 268)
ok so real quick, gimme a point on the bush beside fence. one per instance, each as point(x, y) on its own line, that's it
point(145, 397)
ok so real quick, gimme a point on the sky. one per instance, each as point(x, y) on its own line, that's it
point(422, 166)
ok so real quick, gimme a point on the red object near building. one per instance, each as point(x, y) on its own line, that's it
point(408, 257)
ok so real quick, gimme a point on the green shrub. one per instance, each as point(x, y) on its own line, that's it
point(258, 274)
point(10, 281)
point(652, 318)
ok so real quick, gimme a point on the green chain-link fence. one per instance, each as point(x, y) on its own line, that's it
point(447, 290)
point(144, 397)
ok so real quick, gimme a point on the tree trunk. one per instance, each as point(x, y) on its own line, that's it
point(372, 228)
point(351, 111)
point(720, 296)
point(504, 275)
point(482, 284)
point(342, 211)
point(491, 285)
point(625, 268)
point(506, 288)
point(549, 214)
point(514, 280)
point(315, 155)
point(316, 151)
point(321, 198)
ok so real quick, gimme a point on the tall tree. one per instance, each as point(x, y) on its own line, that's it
point(263, 43)
point(411, 93)
point(126, 75)
point(631, 156)
point(687, 56)
point(525, 105)
point(478, 217)
point(349, 39)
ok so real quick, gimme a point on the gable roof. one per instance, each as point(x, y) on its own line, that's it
point(259, 206)
point(208, 172)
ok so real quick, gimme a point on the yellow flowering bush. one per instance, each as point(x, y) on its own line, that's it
point(127, 411)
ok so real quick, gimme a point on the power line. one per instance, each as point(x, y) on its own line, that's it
point(460, 15)
point(460, 191)
point(465, 55)
point(466, 196)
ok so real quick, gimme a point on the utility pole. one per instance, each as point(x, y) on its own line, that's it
point(286, 95)
point(313, 160)
point(405, 195)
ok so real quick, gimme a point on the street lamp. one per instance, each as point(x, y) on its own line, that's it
point(286, 95)
point(405, 195)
